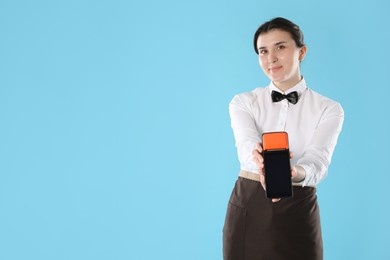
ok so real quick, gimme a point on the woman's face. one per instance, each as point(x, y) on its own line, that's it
point(279, 57)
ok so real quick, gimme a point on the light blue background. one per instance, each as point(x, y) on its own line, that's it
point(115, 138)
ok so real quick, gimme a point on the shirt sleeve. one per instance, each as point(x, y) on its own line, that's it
point(318, 153)
point(245, 132)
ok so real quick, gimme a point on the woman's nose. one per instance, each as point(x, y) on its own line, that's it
point(272, 58)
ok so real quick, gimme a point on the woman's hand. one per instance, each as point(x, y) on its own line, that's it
point(259, 160)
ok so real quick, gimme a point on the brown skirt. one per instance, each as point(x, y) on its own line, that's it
point(256, 228)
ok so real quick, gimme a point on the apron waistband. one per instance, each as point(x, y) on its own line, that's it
point(256, 177)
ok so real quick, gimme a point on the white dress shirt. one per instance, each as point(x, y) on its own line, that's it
point(313, 126)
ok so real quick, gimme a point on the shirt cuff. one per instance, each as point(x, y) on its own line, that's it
point(308, 175)
point(301, 175)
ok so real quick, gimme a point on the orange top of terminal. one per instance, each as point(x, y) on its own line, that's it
point(275, 141)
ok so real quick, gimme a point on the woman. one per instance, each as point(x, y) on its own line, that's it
point(289, 228)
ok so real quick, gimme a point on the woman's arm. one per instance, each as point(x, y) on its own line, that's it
point(245, 132)
point(318, 153)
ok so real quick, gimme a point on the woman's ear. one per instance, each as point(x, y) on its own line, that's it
point(302, 53)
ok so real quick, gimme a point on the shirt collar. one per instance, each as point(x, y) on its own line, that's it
point(300, 87)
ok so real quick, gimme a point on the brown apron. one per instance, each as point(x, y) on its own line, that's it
point(258, 229)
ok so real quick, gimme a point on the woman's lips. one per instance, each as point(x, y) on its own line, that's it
point(275, 69)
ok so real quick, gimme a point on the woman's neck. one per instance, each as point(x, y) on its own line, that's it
point(286, 85)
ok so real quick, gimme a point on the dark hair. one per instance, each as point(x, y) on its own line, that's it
point(281, 24)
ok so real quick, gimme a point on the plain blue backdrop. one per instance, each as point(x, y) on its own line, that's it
point(115, 138)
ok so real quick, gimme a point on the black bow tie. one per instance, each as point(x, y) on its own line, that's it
point(292, 97)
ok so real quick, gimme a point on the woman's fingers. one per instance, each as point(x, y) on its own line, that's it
point(293, 172)
point(259, 147)
point(258, 158)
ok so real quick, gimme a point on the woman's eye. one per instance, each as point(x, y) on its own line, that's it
point(280, 47)
point(263, 52)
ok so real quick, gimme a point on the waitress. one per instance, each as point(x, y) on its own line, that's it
point(280, 229)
